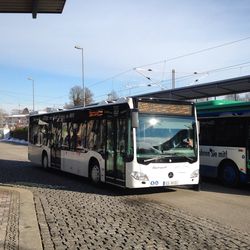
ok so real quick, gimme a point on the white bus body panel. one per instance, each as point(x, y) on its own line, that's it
point(212, 156)
point(35, 153)
point(78, 162)
point(71, 162)
point(163, 174)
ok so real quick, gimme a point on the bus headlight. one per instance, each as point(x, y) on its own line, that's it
point(139, 176)
point(195, 174)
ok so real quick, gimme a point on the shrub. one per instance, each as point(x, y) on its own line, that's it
point(20, 133)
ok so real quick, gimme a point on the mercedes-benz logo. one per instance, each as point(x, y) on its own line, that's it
point(170, 174)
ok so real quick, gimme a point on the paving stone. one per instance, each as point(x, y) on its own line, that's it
point(73, 214)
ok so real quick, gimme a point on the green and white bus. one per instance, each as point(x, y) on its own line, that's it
point(132, 143)
point(225, 140)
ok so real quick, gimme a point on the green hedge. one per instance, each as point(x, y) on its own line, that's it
point(20, 133)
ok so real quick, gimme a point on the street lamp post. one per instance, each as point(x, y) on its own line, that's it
point(33, 91)
point(83, 86)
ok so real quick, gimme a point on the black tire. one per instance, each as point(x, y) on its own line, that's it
point(45, 160)
point(95, 173)
point(229, 174)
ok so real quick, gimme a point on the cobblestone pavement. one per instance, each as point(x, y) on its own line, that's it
point(9, 214)
point(73, 214)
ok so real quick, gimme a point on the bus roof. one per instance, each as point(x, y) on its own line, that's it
point(223, 108)
point(122, 100)
point(92, 105)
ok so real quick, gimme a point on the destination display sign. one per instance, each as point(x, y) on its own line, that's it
point(165, 108)
point(95, 113)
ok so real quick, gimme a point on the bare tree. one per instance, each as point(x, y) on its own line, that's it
point(112, 96)
point(3, 114)
point(25, 111)
point(68, 106)
point(88, 96)
point(76, 96)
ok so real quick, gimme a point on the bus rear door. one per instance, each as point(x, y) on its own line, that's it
point(56, 146)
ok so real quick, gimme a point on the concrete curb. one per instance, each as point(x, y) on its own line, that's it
point(29, 233)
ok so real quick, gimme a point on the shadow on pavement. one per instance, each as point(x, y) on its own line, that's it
point(26, 174)
point(16, 143)
point(213, 185)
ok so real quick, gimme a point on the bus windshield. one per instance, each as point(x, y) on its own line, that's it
point(166, 139)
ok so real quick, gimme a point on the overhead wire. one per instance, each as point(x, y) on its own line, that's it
point(192, 75)
point(198, 51)
point(173, 58)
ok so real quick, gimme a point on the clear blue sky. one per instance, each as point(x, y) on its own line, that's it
point(118, 36)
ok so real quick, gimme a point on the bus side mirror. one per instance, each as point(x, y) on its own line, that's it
point(135, 121)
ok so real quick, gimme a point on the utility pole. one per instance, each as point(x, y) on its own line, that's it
point(173, 78)
point(83, 85)
point(33, 91)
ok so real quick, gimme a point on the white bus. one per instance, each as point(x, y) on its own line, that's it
point(132, 143)
point(225, 140)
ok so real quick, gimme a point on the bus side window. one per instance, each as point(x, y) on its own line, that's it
point(81, 136)
point(90, 135)
point(73, 136)
point(34, 136)
point(96, 134)
point(101, 135)
point(65, 136)
point(207, 132)
point(45, 135)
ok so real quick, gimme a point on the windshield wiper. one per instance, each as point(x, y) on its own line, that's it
point(158, 157)
point(189, 159)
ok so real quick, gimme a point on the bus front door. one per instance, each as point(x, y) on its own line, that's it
point(115, 151)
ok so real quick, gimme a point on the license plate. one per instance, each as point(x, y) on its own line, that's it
point(170, 183)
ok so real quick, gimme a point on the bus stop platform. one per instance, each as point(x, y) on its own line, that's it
point(18, 221)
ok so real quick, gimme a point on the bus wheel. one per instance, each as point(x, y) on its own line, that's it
point(45, 160)
point(229, 174)
point(95, 173)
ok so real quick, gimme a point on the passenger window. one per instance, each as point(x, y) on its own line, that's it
point(65, 136)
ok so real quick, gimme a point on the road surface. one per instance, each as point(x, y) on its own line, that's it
point(73, 214)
